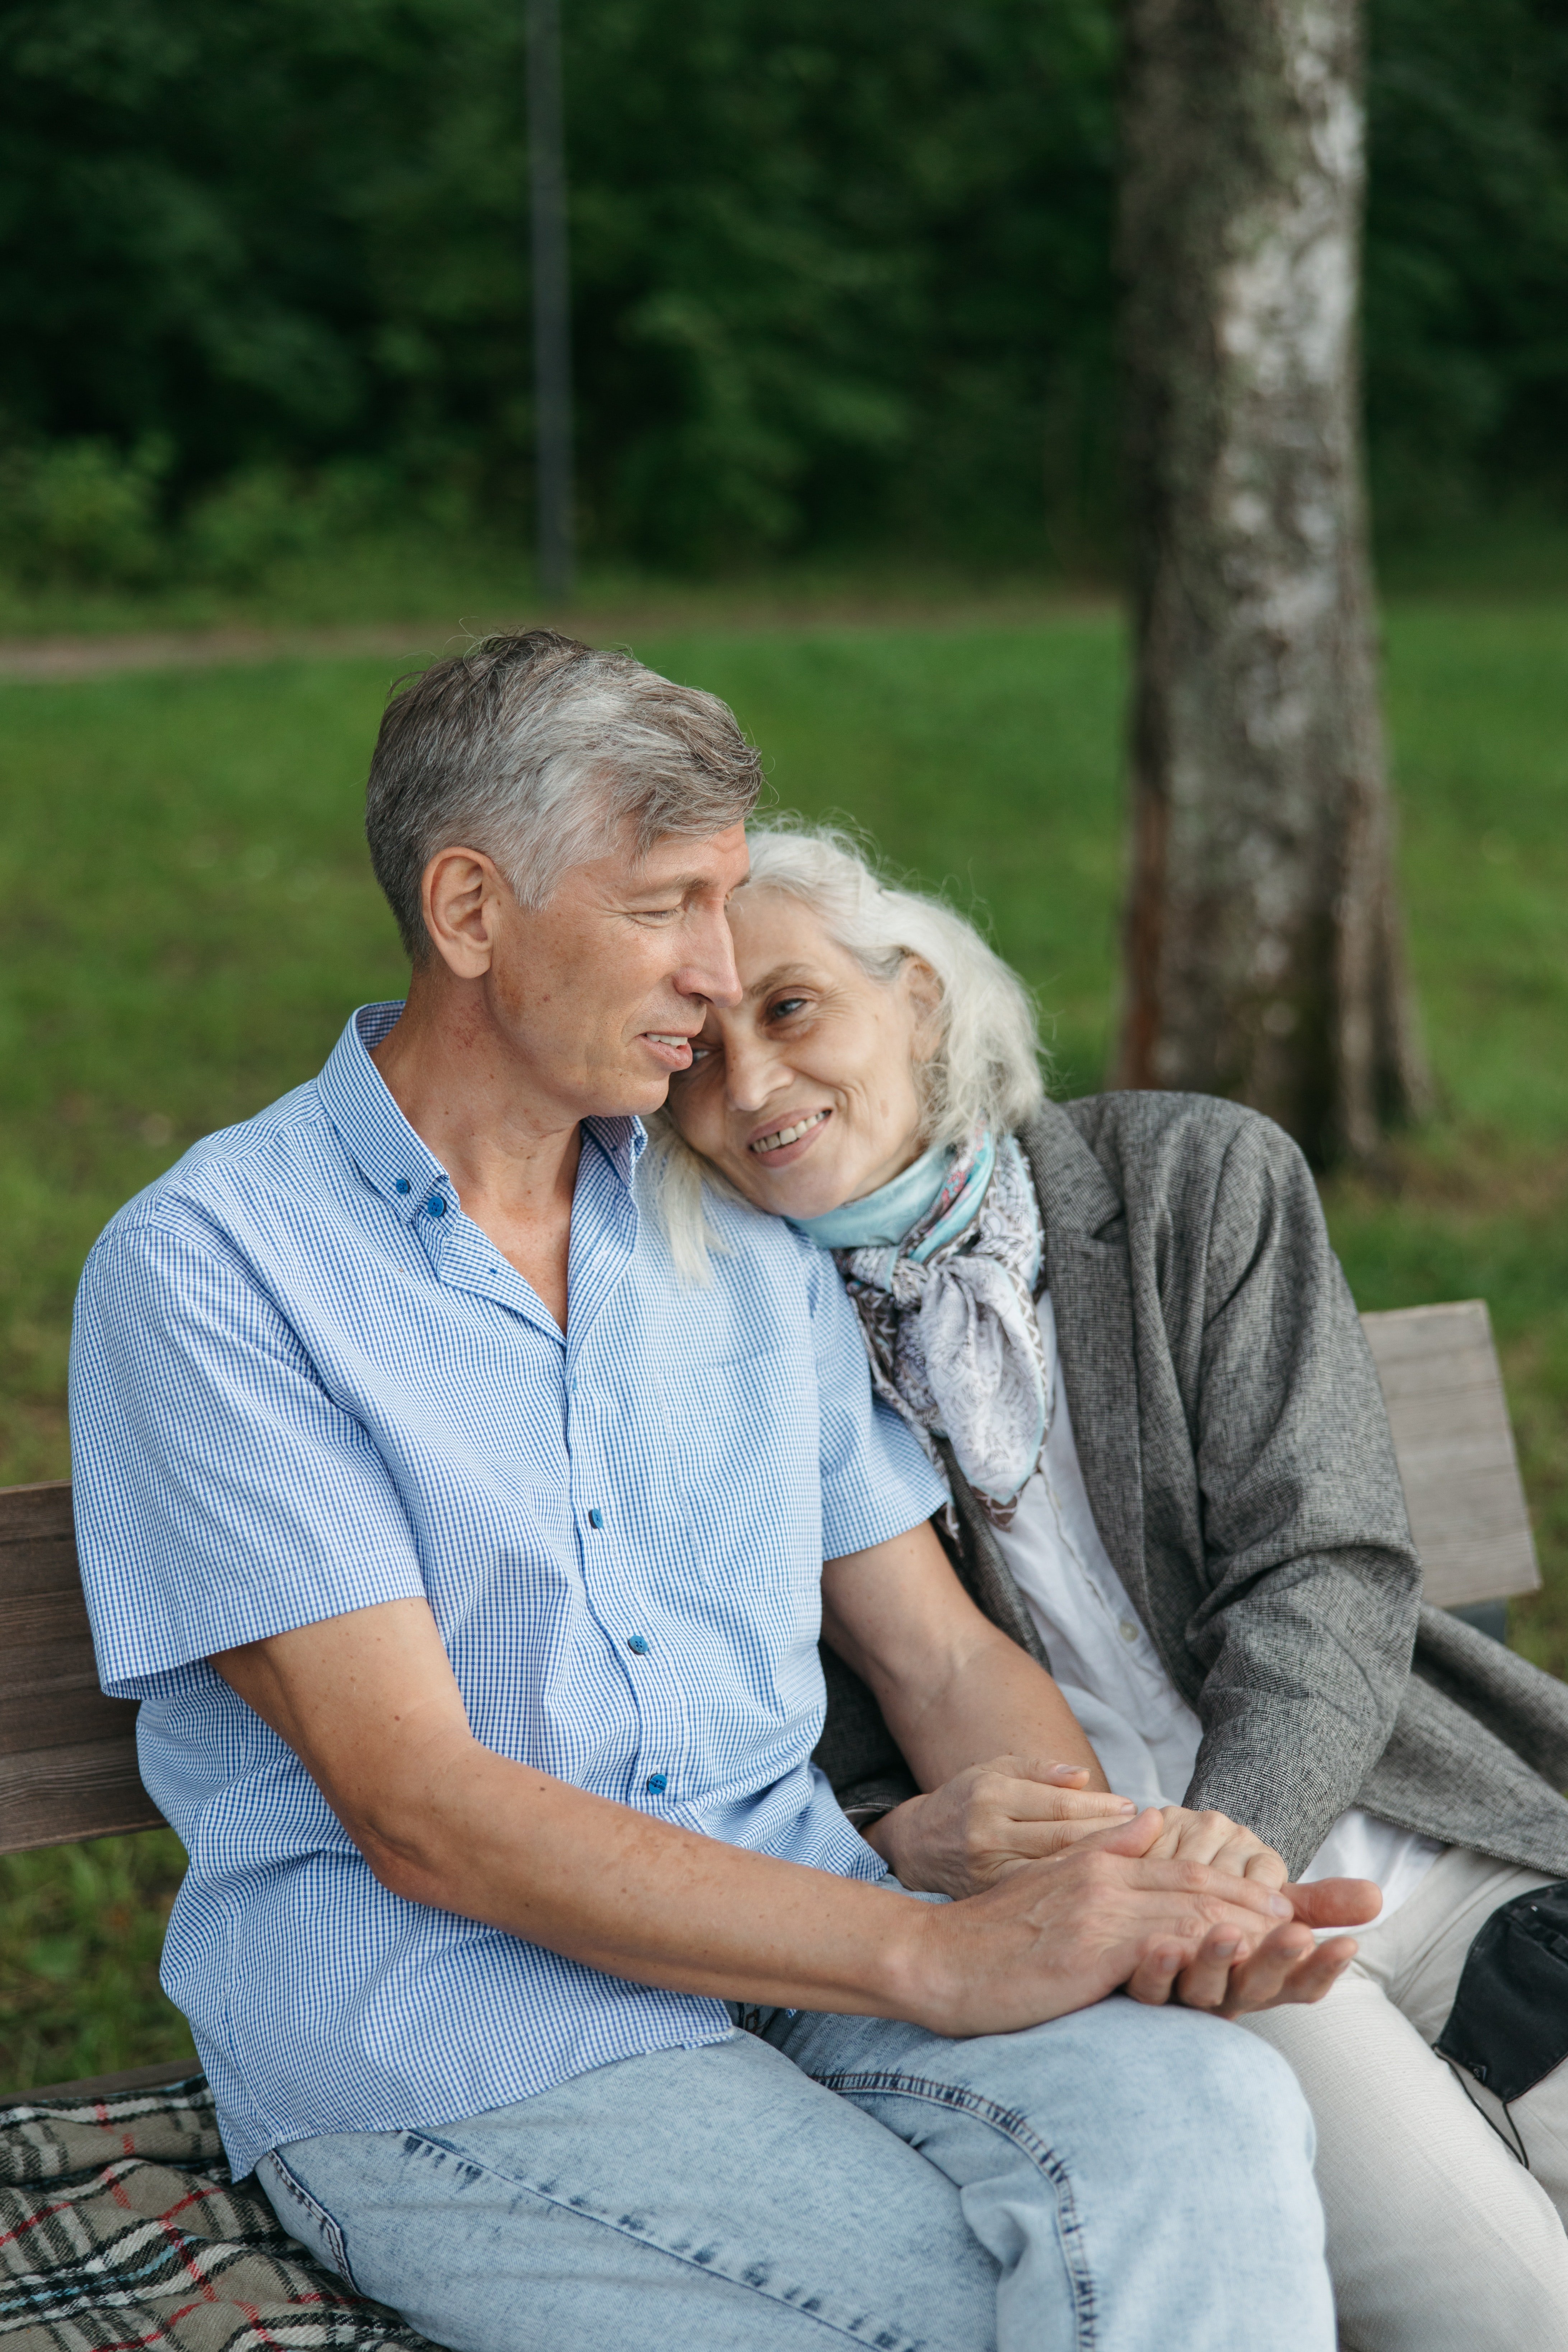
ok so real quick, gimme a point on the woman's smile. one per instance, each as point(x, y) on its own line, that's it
point(778, 1145)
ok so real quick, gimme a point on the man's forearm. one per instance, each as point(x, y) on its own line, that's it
point(642, 1898)
point(637, 1896)
point(368, 1703)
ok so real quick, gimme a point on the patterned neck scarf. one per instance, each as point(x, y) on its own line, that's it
point(950, 1322)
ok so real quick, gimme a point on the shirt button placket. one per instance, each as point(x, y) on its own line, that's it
point(655, 1784)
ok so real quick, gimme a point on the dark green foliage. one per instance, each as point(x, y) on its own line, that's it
point(842, 275)
point(1467, 268)
point(820, 254)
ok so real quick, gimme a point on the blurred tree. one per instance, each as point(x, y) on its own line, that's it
point(1263, 951)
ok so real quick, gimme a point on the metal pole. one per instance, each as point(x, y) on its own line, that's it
point(552, 299)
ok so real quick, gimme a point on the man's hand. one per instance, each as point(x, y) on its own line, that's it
point(988, 1819)
point(1288, 1966)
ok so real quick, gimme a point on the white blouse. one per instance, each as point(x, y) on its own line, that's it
point(1110, 1674)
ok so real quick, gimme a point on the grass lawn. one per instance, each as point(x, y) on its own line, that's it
point(190, 917)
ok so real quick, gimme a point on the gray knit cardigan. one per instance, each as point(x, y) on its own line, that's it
point(1238, 1458)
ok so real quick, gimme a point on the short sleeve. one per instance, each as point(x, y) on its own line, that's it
point(221, 1494)
point(876, 1481)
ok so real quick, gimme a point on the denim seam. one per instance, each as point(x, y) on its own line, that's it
point(1010, 2125)
point(330, 2229)
point(884, 2340)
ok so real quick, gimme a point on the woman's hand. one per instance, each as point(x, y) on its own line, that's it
point(986, 1821)
point(1220, 1842)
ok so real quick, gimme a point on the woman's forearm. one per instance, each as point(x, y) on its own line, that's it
point(995, 1701)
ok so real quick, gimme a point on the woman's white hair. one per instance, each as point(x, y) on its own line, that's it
point(985, 1070)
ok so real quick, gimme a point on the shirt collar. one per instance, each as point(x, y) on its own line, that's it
point(393, 1159)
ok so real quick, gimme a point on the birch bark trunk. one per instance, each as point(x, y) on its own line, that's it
point(1263, 951)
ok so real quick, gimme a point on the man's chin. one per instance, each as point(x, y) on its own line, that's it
point(644, 1092)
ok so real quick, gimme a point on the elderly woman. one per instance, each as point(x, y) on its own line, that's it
point(1118, 1326)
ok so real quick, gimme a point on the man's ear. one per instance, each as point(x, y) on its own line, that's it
point(464, 899)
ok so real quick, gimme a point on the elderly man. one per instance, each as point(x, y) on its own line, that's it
point(469, 1568)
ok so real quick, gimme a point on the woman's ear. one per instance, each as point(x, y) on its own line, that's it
point(924, 993)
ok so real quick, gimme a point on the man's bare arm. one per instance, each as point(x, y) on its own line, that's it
point(369, 1703)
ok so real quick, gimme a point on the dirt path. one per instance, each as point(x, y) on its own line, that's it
point(45, 659)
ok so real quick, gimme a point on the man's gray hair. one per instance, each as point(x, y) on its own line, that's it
point(986, 1068)
point(543, 753)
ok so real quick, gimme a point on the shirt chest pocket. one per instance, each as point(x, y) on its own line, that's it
point(744, 1464)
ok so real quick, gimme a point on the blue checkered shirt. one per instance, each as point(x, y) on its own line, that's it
point(304, 1383)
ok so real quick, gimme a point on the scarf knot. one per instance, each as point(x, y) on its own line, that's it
point(950, 1323)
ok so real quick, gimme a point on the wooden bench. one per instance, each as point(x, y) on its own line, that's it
point(68, 1755)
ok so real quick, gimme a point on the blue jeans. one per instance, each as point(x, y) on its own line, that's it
point(1124, 2179)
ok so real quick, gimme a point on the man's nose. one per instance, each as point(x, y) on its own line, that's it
point(711, 972)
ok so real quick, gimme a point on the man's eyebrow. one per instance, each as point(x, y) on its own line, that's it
point(678, 886)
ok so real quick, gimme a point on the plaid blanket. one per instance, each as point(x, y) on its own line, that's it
point(120, 2229)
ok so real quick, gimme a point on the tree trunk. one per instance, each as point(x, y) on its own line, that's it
point(1263, 957)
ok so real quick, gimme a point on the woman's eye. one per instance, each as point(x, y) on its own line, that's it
point(787, 1007)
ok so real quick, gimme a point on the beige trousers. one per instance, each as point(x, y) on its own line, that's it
point(1440, 2239)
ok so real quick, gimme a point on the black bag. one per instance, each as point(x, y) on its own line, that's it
point(1508, 2025)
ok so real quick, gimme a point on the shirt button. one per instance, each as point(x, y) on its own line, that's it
point(595, 1519)
point(657, 1783)
point(403, 1184)
point(1128, 1631)
point(436, 1205)
point(638, 1642)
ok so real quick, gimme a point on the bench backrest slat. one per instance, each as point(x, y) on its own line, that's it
point(68, 1755)
point(1445, 1396)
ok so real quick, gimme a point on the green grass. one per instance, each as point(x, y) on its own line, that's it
point(189, 917)
point(78, 1960)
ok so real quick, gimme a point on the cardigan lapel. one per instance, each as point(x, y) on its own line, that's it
point(1087, 1272)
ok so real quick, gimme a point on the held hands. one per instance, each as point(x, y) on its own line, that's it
point(1165, 1904)
point(995, 1817)
point(1056, 1936)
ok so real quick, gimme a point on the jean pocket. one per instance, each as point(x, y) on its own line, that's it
point(306, 2221)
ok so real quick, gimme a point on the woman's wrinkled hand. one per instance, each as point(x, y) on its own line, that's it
point(1219, 1841)
point(989, 1820)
